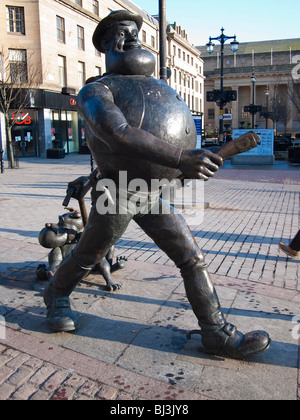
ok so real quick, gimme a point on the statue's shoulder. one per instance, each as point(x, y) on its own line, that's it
point(120, 82)
point(104, 79)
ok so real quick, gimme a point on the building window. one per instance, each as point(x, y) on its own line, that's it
point(15, 19)
point(2, 68)
point(152, 41)
point(60, 29)
point(96, 7)
point(18, 66)
point(81, 74)
point(211, 114)
point(79, 2)
point(144, 36)
point(98, 71)
point(80, 37)
point(62, 71)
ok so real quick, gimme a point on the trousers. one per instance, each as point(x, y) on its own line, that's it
point(295, 243)
point(171, 234)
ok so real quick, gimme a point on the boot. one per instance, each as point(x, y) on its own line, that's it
point(218, 336)
point(56, 295)
point(59, 314)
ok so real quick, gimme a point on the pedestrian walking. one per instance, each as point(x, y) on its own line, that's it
point(293, 249)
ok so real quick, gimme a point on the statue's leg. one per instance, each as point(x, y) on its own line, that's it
point(100, 233)
point(171, 233)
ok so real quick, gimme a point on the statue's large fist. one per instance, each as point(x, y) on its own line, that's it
point(199, 164)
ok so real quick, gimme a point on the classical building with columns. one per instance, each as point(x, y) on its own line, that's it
point(274, 65)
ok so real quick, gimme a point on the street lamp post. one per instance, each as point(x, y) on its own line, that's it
point(252, 108)
point(210, 49)
point(162, 40)
point(253, 80)
point(267, 93)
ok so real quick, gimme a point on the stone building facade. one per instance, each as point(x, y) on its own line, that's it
point(274, 65)
point(55, 37)
point(187, 68)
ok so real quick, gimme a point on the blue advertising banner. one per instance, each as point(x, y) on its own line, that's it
point(198, 124)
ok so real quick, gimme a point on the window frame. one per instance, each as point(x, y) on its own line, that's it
point(15, 24)
point(60, 30)
point(18, 61)
point(62, 70)
point(81, 74)
point(80, 38)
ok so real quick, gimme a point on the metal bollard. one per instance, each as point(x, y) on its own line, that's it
point(1, 160)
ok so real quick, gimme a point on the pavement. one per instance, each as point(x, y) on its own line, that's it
point(131, 344)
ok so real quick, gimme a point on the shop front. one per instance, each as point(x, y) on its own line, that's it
point(65, 130)
point(24, 132)
point(52, 122)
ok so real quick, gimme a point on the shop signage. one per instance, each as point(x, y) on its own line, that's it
point(21, 118)
point(198, 123)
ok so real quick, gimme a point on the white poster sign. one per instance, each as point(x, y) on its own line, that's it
point(266, 144)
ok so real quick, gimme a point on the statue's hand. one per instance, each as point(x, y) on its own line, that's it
point(199, 164)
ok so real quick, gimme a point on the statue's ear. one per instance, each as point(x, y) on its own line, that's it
point(104, 43)
point(106, 38)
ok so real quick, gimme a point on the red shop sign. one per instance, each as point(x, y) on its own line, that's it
point(21, 118)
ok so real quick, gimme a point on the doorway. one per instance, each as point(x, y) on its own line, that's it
point(24, 141)
point(65, 130)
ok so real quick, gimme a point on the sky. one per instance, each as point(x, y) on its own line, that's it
point(255, 20)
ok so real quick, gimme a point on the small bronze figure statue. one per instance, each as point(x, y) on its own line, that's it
point(140, 126)
point(62, 237)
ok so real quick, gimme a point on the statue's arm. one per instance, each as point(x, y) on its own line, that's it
point(105, 119)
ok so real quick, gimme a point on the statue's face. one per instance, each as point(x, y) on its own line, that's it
point(126, 37)
point(124, 52)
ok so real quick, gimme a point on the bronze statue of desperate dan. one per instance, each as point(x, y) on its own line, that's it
point(140, 125)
